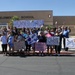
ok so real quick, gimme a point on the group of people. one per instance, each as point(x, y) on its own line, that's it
point(13, 34)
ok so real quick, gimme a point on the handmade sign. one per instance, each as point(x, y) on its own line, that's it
point(70, 42)
point(53, 41)
point(32, 38)
point(28, 23)
point(19, 45)
point(40, 46)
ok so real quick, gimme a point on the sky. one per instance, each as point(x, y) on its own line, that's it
point(59, 7)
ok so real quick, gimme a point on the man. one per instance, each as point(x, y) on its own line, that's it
point(65, 35)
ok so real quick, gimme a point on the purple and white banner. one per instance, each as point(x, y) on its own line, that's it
point(40, 46)
point(28, 23)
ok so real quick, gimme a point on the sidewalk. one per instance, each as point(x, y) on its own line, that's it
point(69, 52)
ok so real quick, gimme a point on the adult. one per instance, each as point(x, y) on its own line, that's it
point(11, 42)
point(65, 34)
point(4, 42)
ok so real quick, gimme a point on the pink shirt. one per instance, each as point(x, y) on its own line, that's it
point(48, 35)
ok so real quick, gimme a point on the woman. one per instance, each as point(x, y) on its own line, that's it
point(11, 42)
point(4, 43)
point(42, 39)
point(50, 34)
point(58, 47)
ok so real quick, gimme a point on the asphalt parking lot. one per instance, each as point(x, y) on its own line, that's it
point(37, 65)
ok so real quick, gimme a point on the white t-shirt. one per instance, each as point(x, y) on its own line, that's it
point(45, 32)
point(4, 39)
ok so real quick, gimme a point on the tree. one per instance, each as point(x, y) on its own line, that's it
point(13, 19)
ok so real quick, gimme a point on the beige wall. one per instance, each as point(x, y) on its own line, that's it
point(28, 15)
point(68, 21)
point(46, 15)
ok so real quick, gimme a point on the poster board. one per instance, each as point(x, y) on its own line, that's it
point(70, 42)
point(53, 40)
point(40, 46)
point(19, 45)
point(28, 23)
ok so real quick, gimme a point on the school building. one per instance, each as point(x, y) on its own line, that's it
point(46, 15)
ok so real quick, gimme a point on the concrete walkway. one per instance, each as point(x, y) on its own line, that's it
point(70, 52)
